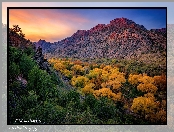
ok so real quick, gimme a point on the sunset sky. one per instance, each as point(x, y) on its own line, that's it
point(53, 25)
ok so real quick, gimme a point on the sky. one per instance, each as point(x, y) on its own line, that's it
point(54, 25)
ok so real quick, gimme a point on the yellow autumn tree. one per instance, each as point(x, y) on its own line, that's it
point(147, 87)
point(114, 85)
point(79, 81)
point(53, 60)
point(150, 108)
point(160, 114)
point(134, 79)
point(144, 105)
point(89, 88)
point(144, 82)
point(118, 77)
point(107, 92)
point(105, 75)
point(77, 70)
point(146, 79)
point(107, 68)
point(113, 79)
point(94, 73)
point(67, 73)
point(59, 66)
point(67, 64)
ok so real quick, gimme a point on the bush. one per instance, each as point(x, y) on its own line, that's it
point(14, 71)
point(104, 109)
point(29, 51)
point(26, 64)
point(89, 101)
point(40, 82)
point(14, 55)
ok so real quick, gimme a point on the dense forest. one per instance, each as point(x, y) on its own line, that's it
point(105, 91)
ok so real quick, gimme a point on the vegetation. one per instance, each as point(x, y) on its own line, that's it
point(138, 93)
point(101, 93)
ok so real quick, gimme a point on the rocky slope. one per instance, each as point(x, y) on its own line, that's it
point(121, 38)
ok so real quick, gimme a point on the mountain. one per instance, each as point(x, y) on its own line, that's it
point(45, 45)
point(121, 38)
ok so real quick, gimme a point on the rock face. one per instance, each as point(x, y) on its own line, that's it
point(45, 45)
point(121, 38)
point(43, 63)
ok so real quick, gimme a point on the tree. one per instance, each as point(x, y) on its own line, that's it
point(77, 70)
point(22, 35)
point(41, 83)
point(14, 71)
point(104, 109)
point(89, 88)
point(67, 73)
point(16, 28)
point(145, 106)
point(160, 82)
point(147, 87)
point(79, 81)
point(14, 55)
point(106, 92)
point(134, 79)
point(26, 64)
point(96, 72)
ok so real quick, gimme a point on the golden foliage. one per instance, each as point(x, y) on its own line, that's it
point(94, 73)
point(59, 66)
point(147, 87)
point(146, 79)
point(144, 105)
point(77, 69)
point(88, 88)
point(114, 85)
point(144, 82)
point(67, 73)
point(107, 92)
point(107, 80)
point(117, 77)
point(105, 75)
point(79, 81)
point(107, 68)
point(150, 108)
point(134, 79)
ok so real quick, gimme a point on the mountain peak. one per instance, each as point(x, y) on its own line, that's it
point(122, 38)
point(121, 20)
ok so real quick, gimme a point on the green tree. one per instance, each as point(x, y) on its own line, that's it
point(14, 55)
point(29, 51)
point(41, 83)
point(26, 64)
point(104, 109)
point(14, 71)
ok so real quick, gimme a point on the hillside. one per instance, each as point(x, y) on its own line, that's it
point(121, 38)
point(68, 91)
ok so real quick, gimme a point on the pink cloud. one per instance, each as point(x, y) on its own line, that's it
point(37, 23)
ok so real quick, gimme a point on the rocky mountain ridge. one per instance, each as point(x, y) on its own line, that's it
point(121, 38)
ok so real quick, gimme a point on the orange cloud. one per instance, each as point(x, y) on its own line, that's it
point(45, 23)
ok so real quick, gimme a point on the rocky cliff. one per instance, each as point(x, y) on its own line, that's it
point(121, 38)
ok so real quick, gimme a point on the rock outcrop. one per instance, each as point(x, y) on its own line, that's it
point(41, 61)
point(121, 38)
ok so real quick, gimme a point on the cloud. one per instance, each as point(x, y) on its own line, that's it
point(45, 23)
point(60, 24)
